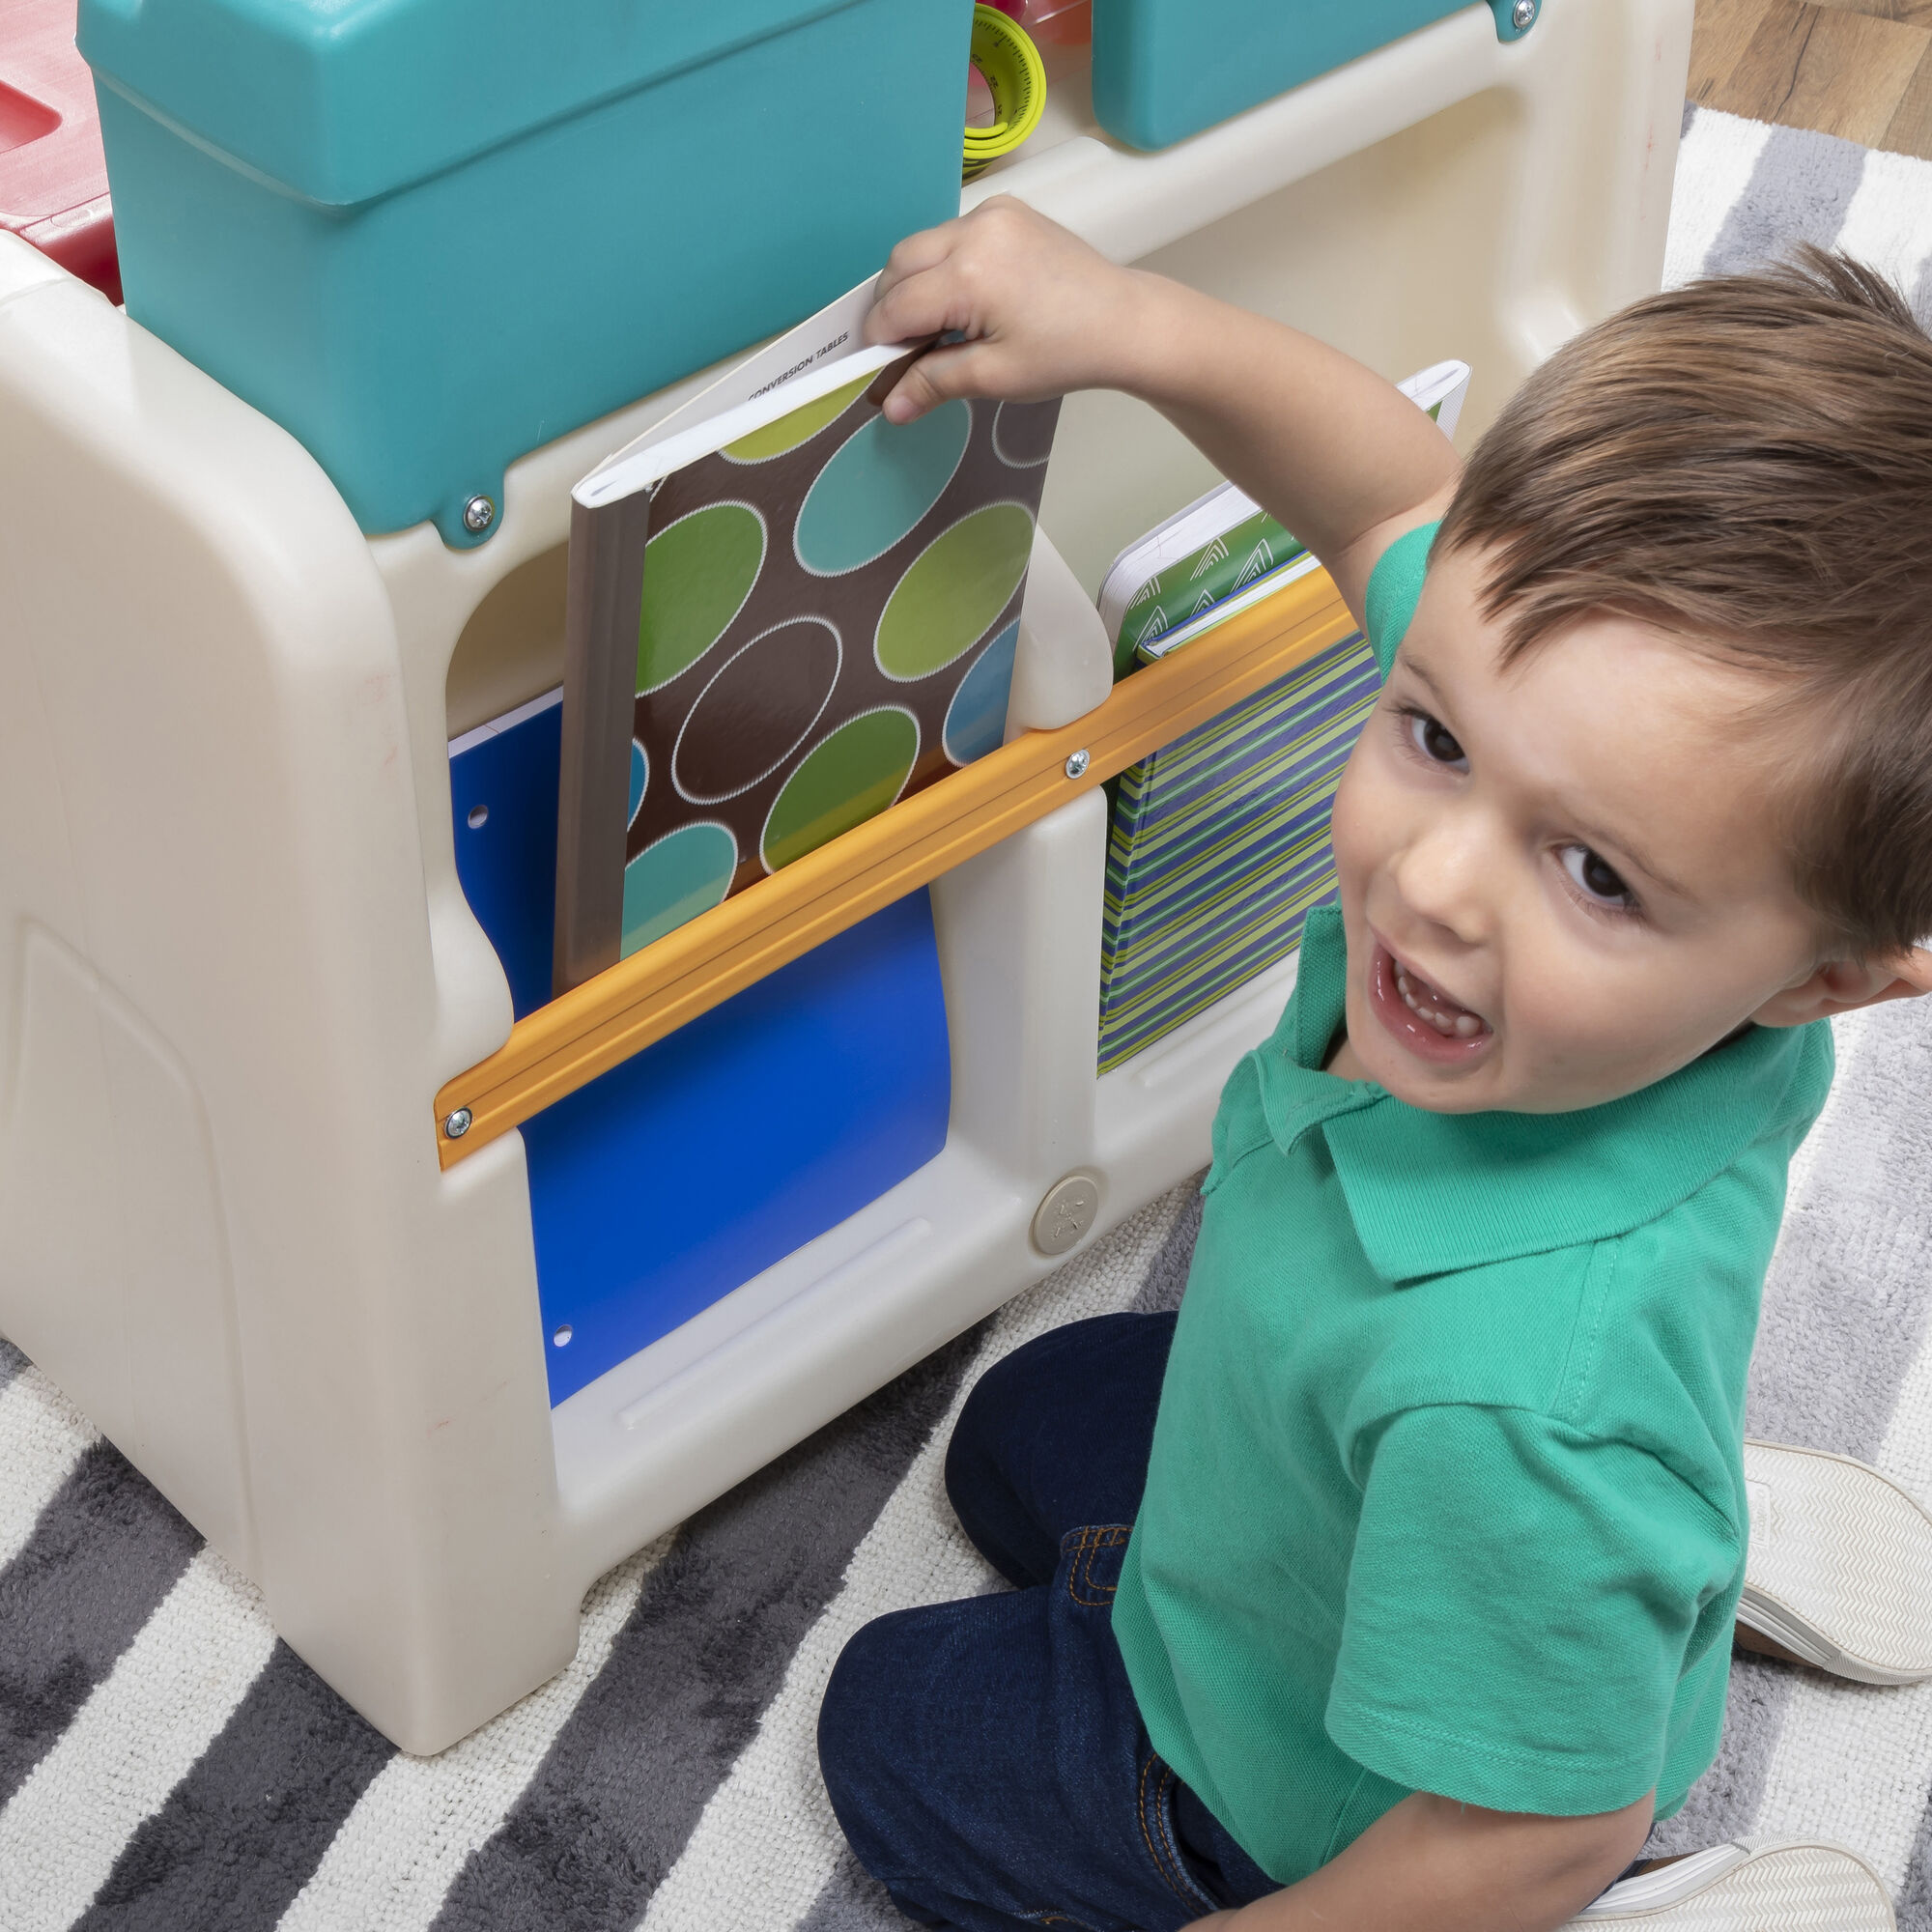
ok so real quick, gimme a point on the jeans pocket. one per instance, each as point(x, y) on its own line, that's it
point(1091, 1559)
point(1158, 1787)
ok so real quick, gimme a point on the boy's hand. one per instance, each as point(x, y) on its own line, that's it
point(1041, 313)
point(1342, 459)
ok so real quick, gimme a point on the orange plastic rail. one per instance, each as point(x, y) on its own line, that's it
point(596, 1026)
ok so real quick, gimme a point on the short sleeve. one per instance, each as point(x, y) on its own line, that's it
point(1522, 1602)
point(1395, 589)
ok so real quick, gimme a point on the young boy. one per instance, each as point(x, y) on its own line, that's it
point(1393, 1586)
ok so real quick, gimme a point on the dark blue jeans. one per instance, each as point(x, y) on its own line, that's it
point(986, 1758)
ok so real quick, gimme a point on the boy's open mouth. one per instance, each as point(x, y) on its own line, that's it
point(1421, 1015)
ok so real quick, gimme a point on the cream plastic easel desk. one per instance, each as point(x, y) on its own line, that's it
point(236, 967)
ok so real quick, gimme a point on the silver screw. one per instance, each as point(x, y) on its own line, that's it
point(1076, 765)
point(1522, 16)
point(457, 1125)
point(479, 512)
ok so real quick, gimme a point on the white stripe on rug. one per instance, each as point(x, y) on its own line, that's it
point(1907, 1455)
point(395, 1857)
point(1853, 1761)
point(42, 1436)
point(1714, 168)
point(767, 1840)
point(136, 1739)
point(1889, 224)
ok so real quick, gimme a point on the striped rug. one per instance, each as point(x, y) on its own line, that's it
point(166, 1764)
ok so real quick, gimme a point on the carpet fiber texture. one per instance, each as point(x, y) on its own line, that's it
point(166, 1763)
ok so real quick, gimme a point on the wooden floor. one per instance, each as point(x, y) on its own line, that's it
point(1862, 69)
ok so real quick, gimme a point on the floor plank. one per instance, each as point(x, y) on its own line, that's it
point(1910, 129)
point(1828, 69)
point(1719, 36)
point(1911, 12)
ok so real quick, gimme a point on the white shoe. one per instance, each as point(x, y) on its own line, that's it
point(1755, 1885)
point(1840, 1566)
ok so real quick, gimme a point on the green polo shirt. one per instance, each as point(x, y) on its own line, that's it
point(1446, 1489)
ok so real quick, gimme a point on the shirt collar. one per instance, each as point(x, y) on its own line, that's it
point(1431, 1193)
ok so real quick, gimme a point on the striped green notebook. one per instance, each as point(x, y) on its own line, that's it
point(1219, 846)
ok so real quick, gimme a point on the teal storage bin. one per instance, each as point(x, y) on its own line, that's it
point(1166, 68)
point(428, 236)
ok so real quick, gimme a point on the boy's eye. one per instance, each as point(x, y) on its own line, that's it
point(1434, 740)
point(1596, 877)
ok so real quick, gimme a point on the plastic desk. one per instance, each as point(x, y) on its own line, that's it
point(238, 965)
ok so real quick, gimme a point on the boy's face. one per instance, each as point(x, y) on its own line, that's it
point(1559, 882)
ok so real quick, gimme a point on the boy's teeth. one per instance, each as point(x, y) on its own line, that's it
point(1461, 1024)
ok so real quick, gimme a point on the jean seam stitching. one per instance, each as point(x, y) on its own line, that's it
point(1091, 1540)
point(1166, 1843)
point(1162, 1813)
point(1147, 1837)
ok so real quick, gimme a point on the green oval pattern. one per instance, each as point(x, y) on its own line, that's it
point(789, 431)
point(698, 573)
point(845, 778)
point(680, 875)
point(953, 590)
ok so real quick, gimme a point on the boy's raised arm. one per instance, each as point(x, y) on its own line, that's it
point(1454, 1868)
point(1341, 457)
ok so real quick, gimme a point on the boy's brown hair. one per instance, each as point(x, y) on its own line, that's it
point(1747, 462)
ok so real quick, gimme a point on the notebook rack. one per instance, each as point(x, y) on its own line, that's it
point(594, 1027)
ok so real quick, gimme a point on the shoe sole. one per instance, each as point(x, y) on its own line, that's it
point(1840, 1565)
point(1751, 1885)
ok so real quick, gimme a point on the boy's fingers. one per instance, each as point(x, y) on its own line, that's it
point(912, 395)
point(923, 304)
point(888, 378)
point(917, 255)
point(936, 377)
point(883, 322)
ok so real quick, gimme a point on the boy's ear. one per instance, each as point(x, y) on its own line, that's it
point(1844, 985)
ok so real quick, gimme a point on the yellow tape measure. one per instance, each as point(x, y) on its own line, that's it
point(1010, 66)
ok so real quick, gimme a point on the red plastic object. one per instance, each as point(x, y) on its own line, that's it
point(53, 178)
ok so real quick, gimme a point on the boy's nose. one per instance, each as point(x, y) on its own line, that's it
point(1443, 879)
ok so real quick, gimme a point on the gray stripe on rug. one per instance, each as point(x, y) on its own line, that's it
point(614, 1802)
point(1921, 295)
point(12, 1362)
point(1799, 192)
point(104, 1553)
point(1914, 1896)
point(1844, 1308)
point(241, 1833)
point(1167, 1277)
point(1835, 1342)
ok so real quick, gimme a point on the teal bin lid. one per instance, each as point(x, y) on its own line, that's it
point(343, 100)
